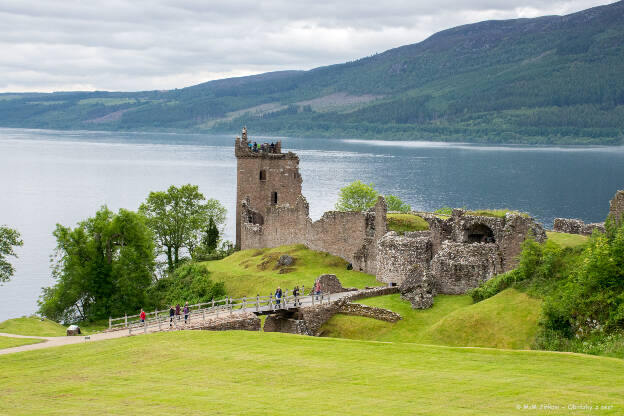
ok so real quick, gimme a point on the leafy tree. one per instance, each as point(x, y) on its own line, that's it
point(357, 196)
point(211, 238)
point(102, 267)
point(178, 217)
point(396, 204)
point(9, 238)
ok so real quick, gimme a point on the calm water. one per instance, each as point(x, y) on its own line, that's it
point(49, 177)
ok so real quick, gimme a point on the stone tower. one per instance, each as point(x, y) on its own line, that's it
point(265, 177)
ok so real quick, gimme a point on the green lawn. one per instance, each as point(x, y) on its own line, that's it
point(497, 213)
point(406, 222)
point(245, 373)
point(567, 240)
point(507, 320)
point(32, 326)
point(252, 272)
point(8, 342)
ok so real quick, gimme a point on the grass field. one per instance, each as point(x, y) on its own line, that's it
point(32, 326)
point(236, 373)
point(507, 320)
point(406, 222)
point(252, 272)
point(7, 342)
point(497, 213)
point(567, 240)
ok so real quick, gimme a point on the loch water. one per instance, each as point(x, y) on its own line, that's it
point(50, 177)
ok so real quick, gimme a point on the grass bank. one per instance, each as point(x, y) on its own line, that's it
point(245, 373)
point(32, 325)
point(8, 342)
point(406, 222)
point(507, 320)
point(252, 272)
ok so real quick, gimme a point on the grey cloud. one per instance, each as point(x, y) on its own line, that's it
point(48, 45)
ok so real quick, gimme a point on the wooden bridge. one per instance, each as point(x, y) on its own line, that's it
point(160, 320)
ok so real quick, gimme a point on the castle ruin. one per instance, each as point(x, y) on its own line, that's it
point(456, 254)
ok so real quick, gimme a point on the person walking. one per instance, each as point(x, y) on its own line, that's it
point(278, 296)
point(177, 312)
point(317, 288)
point(171, 313)
point(142, 315)
point(296, 295)
point(186, 312)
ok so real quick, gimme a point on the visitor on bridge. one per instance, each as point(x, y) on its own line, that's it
point(177, 311)
point(317, 288)
point(186, 312)
point(171, 313)
point(278, 296)
point(296, 295)
point(142, 315)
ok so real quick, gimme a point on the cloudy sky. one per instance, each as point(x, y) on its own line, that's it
point(127, 45)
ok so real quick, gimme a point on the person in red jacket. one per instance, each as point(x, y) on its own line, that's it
point(142, 315)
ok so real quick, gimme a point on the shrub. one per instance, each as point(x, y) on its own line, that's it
point(188, 283)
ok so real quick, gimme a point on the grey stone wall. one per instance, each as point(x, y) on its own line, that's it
point(458, 267)
point(576, 226)
point(396, 255)
point(241, 322)
point(616, 207)
point(357, 309)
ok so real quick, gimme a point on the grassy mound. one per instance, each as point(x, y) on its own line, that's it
point(252, 272)
point(565, 240)
point(507, 320)
point(32, 326)
point(7, 342)
point(496, 213)
point(406, 222)
point(204, 372)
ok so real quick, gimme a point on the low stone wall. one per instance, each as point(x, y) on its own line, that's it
point(277, 323)
point(238, 321)
point(576, 226)
point(369, 312)
point(369, 293)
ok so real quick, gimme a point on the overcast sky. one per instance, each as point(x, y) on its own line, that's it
point(128, 45)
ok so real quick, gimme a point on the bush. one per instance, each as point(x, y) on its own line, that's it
point(188, 283)
point(396, 204)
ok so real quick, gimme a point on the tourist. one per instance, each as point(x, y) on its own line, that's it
point(171, 313)
point(177, 312)
point(296, 295)
point(255, 147)
point(317, 288)
point(142, 315)
point(278, 296)
point(186, 312)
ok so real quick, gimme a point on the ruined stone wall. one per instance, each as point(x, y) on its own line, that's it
point(356, 309)
point(350, 235)
point(616, 207)
point(459, 267)
point(396, 255)
point(239, 321)
point(576, 226)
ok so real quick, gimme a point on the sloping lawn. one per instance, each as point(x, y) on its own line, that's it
point(8, 342)
point(253, 272)
point(507, 320)
point(566, 240)
point(32, 326)
point(254, 373)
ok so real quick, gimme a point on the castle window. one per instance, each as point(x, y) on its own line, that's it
point(274, 198)
point(263, 175)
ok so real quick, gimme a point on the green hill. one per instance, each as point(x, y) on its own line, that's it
point(552, 79)
point(507, 320)
point(32, 326)
point(246, 373)
point(256, 272)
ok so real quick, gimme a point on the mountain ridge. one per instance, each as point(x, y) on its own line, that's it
point(550, 79)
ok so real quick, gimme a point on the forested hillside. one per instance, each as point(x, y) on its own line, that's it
point(553, 79)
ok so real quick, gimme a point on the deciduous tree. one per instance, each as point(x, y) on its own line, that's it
point(9, 239)
point(357, 196)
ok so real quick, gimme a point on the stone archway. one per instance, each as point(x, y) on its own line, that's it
point(478, 233)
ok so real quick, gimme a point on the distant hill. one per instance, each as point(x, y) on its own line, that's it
point(553, 79)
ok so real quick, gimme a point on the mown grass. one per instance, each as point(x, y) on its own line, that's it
point(252, 272)
point(406, 222)
point(565, 240)
point(254, 373)
point(32, 325)
point(507, 320)
point(8, 342)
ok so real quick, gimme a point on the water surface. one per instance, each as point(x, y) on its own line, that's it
point(49, 177)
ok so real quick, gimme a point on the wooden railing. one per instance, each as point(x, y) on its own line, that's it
point(216, 308)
